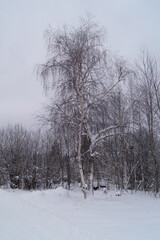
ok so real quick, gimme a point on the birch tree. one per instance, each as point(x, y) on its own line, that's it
point(149, 85)
point(81, 72)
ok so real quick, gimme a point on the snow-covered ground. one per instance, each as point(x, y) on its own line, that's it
point(62, 215)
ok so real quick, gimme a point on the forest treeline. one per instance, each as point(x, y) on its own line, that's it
point(102, 123)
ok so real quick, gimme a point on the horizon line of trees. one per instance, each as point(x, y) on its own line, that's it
point(103, 120)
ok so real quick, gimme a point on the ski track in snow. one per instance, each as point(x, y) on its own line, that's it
point(62, 215)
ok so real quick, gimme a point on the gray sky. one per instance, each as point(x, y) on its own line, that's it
point(129, 24)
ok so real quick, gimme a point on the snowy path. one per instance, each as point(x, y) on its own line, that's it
point(62, 215)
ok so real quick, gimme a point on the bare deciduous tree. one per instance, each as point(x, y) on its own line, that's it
point(82, 73)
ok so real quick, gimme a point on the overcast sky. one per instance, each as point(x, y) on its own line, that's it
point(129, 24)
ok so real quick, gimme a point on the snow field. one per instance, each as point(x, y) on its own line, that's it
point(64, 215)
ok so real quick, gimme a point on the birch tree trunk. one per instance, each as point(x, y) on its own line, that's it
point(80, 160)
point(90, 175)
